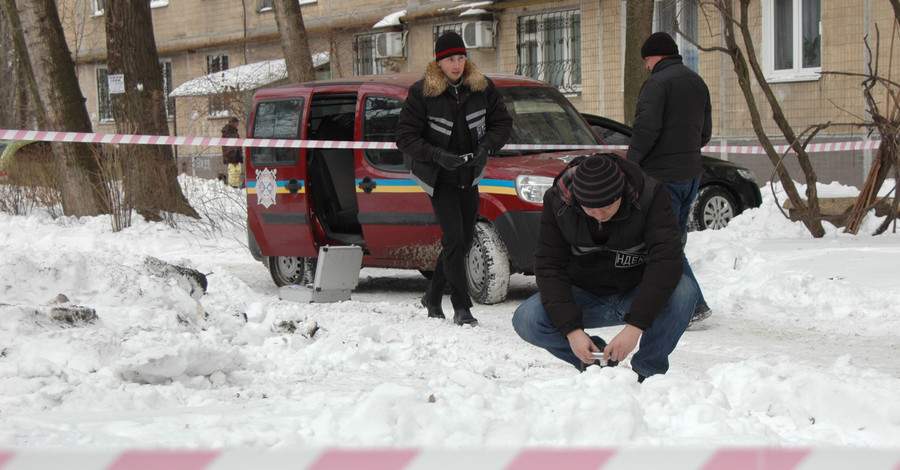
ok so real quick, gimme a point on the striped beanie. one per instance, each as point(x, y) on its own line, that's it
point(598, 181)
point(447, 45)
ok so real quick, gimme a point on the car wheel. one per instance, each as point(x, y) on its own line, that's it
point(714, 208)
point(287, 270)
point(487, 266)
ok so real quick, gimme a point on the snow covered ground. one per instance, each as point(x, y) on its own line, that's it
point(802, 349)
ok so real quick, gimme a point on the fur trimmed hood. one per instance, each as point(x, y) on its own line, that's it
point(436, 82)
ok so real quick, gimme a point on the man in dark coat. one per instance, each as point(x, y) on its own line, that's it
point(672, 122)
point(452, 120)
point(609, 253)
point(232, 157)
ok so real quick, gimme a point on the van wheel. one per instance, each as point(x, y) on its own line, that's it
point(487, 266)
point(287, 270)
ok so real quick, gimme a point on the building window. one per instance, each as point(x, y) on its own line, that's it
point(166, 66)
point(445, 28)
point(218, 107)
point(366, 63)
point(159, 3)
point(549, 48)
point(792, 39)
point(264, 5)
point(682, 15)
point(98, 7)
point(104, 110)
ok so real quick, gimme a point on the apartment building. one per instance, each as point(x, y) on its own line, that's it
point(807, 48)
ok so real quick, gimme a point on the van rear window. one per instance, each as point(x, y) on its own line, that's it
point(276, 120)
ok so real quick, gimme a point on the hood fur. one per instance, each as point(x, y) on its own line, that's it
point(436, 82)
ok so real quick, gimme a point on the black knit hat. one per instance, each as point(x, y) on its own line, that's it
point(598, 181)
point(659, 44)
point(449, 44)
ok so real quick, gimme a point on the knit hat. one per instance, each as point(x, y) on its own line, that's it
point(449, 44)
point(659, 44)
point(598, 181)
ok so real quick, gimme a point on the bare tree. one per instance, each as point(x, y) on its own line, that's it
point(737, 28)
point(149, 174)
point(638, 26)
point(53, 71)
point(19, 93)
point(294, 43)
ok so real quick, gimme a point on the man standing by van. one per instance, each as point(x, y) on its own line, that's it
point(672, 122)
point(451, 121)
point(232, 157)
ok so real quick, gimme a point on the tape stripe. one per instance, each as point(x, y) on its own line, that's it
point(91, 138)
point(447, 459)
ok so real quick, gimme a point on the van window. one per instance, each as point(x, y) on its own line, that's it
point(380, 125)
point(276, 120)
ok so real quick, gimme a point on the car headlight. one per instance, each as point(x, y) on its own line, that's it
point(746, 174)
point(532, 188)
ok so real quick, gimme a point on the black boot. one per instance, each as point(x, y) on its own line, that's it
point(434, 311)
point(463, 316)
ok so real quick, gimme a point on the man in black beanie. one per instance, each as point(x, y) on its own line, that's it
point(609, 253)
point(452, 120)
point(672, 122)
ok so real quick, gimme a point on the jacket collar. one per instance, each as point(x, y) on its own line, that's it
point(436, 83)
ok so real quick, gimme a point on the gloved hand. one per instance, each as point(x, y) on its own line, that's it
point(446, 159)
point(480, 158)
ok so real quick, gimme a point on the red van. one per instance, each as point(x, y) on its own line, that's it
point(301, 199)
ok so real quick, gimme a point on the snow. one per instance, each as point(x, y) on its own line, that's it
point(390, 20)
point(801, 349)
point(242, 78)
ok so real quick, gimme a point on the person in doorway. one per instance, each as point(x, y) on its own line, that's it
point(452, 120)
point(672, 122)
point(232, 157)
point(608, 253)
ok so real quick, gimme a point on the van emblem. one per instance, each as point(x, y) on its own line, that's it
point(266, 187)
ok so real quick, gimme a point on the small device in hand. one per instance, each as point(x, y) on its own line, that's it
point(466, 157)
point(598, 356)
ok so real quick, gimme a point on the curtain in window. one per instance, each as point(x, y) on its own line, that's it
point(783, 34)
point(812, 15)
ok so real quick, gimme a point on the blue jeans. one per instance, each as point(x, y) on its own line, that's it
point(534, 326)
point(682, 195)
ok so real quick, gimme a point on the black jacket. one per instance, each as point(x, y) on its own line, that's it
point(672, 122)
point(639, 247)
point(432, 114)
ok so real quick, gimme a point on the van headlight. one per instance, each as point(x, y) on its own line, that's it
point(532, 188)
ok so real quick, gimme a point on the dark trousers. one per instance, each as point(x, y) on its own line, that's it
point(456, 209)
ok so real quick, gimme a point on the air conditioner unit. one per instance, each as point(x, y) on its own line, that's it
point(389, 45)
point(478, 34)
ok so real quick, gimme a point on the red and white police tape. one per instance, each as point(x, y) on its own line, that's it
point(134, 139)
point(826, 458)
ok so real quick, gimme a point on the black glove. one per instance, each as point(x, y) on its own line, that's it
point(480, 158)
point(448, 160)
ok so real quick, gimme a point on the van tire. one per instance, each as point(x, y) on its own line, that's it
point(288, 270)
point(487, 266)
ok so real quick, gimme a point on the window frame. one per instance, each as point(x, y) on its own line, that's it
point(677, 10)
point(373, 66)
point(103, 95)
point(217, 107)
point(532, 51)
point(795, 73)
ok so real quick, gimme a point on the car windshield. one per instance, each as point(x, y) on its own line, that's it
point(541, 115)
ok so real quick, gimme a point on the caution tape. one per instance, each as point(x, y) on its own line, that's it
point(825, 458)
point(136, 139)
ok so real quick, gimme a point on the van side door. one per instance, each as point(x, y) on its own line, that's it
point(277, 206)
point(397, 219)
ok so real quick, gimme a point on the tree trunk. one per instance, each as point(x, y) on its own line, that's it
point(294, 43)
point(20, 91)
point(81, 185)
point(638, 26)
point(149, 172)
